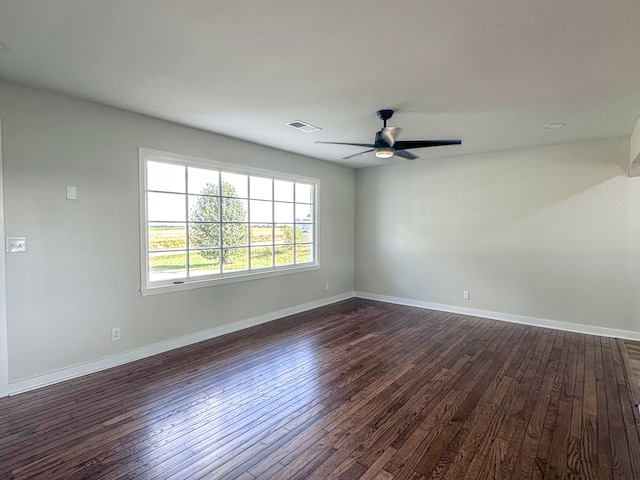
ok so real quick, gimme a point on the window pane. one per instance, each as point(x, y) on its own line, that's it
point(261, 234)
point(284, 234)
point(304, 193)
point(167, 236)
point(165, 177)
point(234, 210)
point(261, 257)
point(304, 213)
point(304, 233)
point(204, 209)
point(283, 212)
point(167, 266)
point(234, 259)
point(284, 255)
point(234, 185)
point(283, 191)
point(304, 253)
point(202, 221)
point(261, 211)
point(204, 262)
point(261, 188)
point(166, 207)
point(235, 234)
point(203, 181)
point(204, 235)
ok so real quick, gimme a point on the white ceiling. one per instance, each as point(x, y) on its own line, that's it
point(490, 72)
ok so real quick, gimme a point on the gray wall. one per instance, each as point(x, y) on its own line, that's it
point(81, 274)
point(551, 233)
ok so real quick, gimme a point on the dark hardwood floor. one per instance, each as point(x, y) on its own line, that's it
point(357, 390)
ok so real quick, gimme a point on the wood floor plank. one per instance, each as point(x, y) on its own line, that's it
point(355, 390)
point(630, 353)
point(621, 463)
point(587, 462)
point(633, 440)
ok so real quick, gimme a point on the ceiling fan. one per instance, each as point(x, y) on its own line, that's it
point(386, 144)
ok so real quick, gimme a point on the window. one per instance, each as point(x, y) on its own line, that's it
point(206, 222)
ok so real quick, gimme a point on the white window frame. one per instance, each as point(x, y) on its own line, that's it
point(153, 288)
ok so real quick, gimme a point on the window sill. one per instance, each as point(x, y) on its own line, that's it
point(227, 278)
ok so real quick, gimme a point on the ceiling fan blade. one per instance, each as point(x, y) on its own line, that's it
point(407, 144)
point(357, 154)
point(391, 134)
point(405, 154)
point(370, 145)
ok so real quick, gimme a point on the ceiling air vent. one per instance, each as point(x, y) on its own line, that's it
point(305, 127)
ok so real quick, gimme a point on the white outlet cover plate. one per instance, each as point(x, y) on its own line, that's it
point(16, 244)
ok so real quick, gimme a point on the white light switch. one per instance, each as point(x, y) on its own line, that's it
point(16, 244)
point(71, 193)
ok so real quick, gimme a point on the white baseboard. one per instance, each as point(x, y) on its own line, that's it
point(144, 352)
point(506, 317)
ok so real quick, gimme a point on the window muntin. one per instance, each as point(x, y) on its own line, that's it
point(208, 221)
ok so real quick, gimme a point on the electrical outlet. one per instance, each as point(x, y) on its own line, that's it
point(326, 286)
point(466, 295)
point(115, 334)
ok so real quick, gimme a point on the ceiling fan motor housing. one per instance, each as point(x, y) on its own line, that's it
point(380, 142)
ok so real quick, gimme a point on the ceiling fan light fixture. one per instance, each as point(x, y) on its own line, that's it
point(384, 152)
